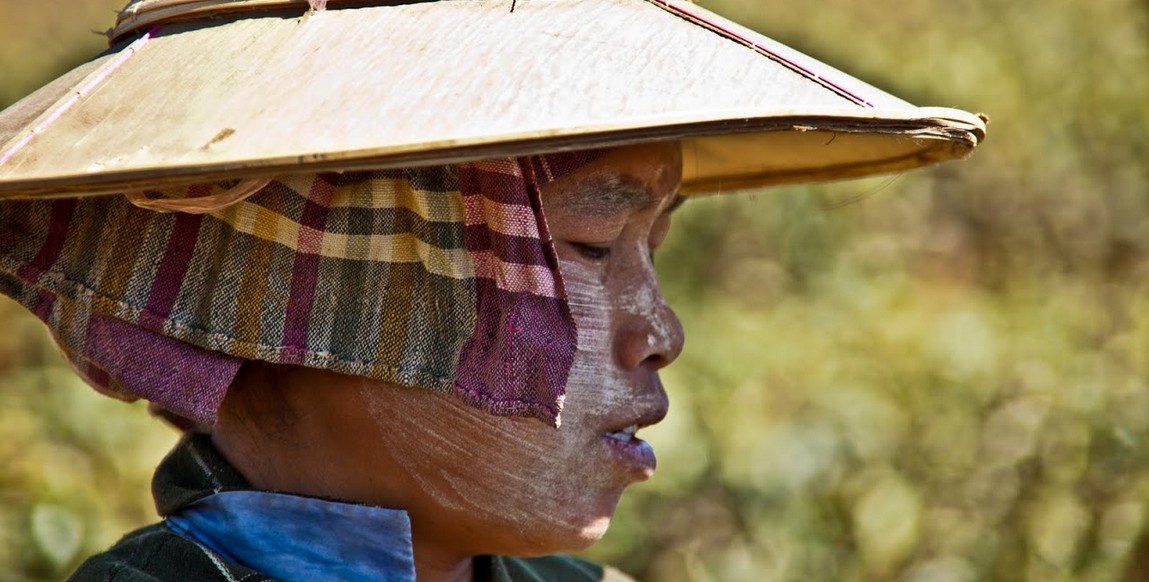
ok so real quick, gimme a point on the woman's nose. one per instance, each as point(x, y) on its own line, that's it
point(649, 331)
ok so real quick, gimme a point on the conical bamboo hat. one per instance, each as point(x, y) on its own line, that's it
point(202, 90)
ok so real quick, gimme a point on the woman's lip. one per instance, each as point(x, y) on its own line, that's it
point(635, 455)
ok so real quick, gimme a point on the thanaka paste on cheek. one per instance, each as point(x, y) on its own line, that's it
point(592, 308)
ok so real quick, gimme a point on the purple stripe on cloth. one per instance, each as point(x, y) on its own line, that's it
point(499, 180)
point(513, 249)
point(45, 301)
point(170, 275)
point(305, 271)
point(61, 217)
point(188, 380)
point(318, 202)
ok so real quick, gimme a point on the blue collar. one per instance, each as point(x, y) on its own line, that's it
point(292, 538)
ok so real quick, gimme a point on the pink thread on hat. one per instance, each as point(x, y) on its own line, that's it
point(792, 64)
point(79, 94)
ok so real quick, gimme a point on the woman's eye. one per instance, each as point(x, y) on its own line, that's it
point(592, 252)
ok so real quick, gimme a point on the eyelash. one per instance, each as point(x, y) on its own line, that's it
point(592, 252)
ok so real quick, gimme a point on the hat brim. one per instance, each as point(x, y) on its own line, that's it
point(264, 93)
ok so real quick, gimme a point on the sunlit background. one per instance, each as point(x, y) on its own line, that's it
point(931, 377)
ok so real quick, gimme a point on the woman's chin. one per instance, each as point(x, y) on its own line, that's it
point(593, 532)
point(566, 541)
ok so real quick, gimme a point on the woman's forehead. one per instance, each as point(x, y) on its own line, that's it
point(622, 180)
point(605, 194)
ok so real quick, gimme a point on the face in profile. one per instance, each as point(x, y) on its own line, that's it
point(483, 484)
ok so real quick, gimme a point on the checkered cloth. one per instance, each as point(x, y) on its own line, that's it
point(440, 277)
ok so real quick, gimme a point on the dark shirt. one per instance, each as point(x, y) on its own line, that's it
point(195, 471)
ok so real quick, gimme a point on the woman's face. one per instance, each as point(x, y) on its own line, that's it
point(488, 484)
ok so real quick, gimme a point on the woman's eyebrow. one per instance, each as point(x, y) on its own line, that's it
point(608, 195)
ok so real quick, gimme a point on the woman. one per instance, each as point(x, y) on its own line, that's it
point(415, 321)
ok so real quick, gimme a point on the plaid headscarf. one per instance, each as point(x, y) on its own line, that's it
point(439, 277)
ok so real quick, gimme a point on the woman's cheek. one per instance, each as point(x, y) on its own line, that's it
point(590, 305)
point(596, 385)
point(499, 473)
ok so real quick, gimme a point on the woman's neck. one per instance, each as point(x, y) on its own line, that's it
point(432, 565)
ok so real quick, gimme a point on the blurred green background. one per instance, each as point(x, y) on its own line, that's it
point(937, 376)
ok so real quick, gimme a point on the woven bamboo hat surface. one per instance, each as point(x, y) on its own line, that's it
point(201, 90)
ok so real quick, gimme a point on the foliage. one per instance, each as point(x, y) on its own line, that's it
point(932, 377)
